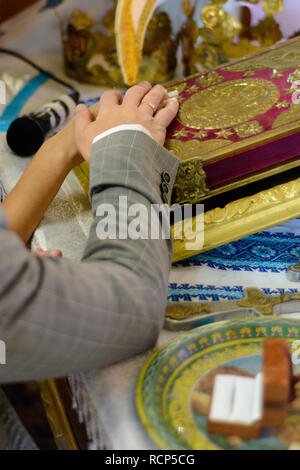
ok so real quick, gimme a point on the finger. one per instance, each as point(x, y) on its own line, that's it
point(166, 115)
point(163, 104)
point(94, 109)
point(154, 98)
point(51, 253)
point(110, 98)
point(83, 117)
point(135, 95)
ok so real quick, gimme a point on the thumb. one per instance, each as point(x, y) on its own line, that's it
point(83, 117)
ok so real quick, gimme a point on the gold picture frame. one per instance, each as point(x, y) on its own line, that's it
point(242, 218)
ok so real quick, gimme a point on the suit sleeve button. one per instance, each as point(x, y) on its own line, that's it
point(166, 177)
point(165, 188)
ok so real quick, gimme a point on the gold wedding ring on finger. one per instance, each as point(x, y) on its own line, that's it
point(148, 103)
point(171, 94)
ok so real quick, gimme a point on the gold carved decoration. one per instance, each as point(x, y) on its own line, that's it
point(241, 218)
point(281, 58)
point(228, 104)
point(180, 87)
point(263, 303)
point(288, 116)
point(194, 148)
point(200, 134)
point(282, 105)
point(190, 185)
point(182, 311)
point(191, 89)
point(248, 128)
point(212, 15)
point(211, 78)
point(224, 133)
point(266, 32)
point(272, 7)
point(257, 299)
point(290, 297)
point(222, 36)
point(181, 133)
point(249, 205)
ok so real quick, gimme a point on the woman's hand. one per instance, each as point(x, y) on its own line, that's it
point(142, 104)
point(39, 184)
point(48, 253)
point(63, 144)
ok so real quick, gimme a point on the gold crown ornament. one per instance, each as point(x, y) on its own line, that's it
point(122, 48)
point(135, 40)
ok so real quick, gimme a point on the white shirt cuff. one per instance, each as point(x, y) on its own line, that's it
point(123, 127)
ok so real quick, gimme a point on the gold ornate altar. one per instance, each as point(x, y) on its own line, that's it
point(135, 40)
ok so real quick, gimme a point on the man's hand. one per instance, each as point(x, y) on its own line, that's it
point(142, 104)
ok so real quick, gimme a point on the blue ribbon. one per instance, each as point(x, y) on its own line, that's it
point(13, 109)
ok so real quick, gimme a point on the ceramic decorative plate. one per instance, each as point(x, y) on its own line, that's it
point(173, 390)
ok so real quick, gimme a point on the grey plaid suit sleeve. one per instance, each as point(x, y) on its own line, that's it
point(58, 317)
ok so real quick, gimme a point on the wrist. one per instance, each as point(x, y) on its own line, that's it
point(64, 147)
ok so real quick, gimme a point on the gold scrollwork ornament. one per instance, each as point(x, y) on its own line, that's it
point(185, 150)
point(292, 114)
point(279, 59)
point(263, 303)
point(256, 298)
point(178, 311)
point(212, 16)
point(246, 129)
point(190, 185)
point(219, 106)
point(211, 78)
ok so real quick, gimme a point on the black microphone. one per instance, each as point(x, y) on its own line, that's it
point(27, 133)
